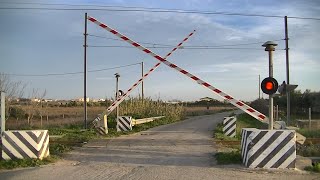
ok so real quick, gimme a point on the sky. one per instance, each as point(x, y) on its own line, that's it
point(45, 41)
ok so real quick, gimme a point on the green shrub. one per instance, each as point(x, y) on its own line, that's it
point(233, 157)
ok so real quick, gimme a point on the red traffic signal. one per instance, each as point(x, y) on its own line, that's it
point(269, 85)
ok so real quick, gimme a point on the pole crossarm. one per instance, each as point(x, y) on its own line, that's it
point(249, 110)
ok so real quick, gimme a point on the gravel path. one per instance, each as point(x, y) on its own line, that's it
point(183, 150)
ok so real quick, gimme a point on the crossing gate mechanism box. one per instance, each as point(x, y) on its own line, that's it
point(229, 126)
point(268, 148)
point(25, 144)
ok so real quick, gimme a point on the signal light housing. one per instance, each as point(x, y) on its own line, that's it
point(269, 85)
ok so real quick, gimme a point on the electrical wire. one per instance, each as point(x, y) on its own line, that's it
point(164, 47)
point(209, 46)
point(71, 73)
point(140, 9)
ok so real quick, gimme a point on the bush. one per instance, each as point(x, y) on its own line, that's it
point(16, 112)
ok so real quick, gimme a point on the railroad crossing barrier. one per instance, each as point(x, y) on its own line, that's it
point(125, 123)
point(268, 148)
point(229, 126)
point(144, 120)
point(25, 144)
point(239, 104)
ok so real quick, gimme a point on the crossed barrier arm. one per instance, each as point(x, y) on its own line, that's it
point(249, 110)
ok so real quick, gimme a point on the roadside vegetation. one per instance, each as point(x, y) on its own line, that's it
point(314, 168)
point(233, 157)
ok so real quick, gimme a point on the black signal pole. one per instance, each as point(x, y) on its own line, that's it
point(287, 66)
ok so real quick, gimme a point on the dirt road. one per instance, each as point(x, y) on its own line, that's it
point(183, 150)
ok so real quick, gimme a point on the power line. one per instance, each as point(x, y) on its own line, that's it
point(71, 73)
point(165, 47)
point(115, 39)
point(141, 9)
point(193, 46)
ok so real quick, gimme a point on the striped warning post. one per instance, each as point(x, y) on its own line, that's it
point(229, 126)
point(124, 123)
point(268, 148)
point(101, 127)
point(25, 144)
point(239, 104)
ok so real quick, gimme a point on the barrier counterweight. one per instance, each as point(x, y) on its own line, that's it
point(268, 148)
point(25, 144)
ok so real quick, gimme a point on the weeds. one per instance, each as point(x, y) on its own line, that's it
point(10, 164)
point(313, 168)
point(233, 157)
point(310, 133)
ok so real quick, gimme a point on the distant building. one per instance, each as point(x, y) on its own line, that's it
point(35, 100)
point(82, 99)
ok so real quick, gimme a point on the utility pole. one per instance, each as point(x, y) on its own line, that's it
point(85, 72)
point(270, 47)
point(117, 92)
point(287, 66)
point(142, 86)
point(3, 111)
point(259, 86)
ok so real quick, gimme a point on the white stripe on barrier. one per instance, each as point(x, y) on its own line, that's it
point(249, 110)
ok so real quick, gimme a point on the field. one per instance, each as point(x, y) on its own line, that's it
point(26, 116)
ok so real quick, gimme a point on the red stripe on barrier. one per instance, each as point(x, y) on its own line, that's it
point(195, 78)
point(206, 84)
point(135, 44)
point(173, 66)
point(160, 58)
point(146, 50)
point(182, 71)
point(261, 116)
point(92, 19)
point(240, 103)
point(228, 97)
point(124, 38)
point(217, 90)
point(114, 32)
point(250, 110)
point(102, 25)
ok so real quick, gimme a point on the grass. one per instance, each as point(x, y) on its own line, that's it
point(314, 168)
point(309, 150)
point(310, 133)
point(243, 121)
point(233, 157)
point(19, 163)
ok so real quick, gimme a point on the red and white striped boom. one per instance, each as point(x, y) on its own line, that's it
point(249, 110)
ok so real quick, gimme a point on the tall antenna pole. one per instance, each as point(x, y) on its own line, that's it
point(85, 72)
point(142, 87)
point(287, 66)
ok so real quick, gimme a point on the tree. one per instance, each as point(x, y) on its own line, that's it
point(13, 90)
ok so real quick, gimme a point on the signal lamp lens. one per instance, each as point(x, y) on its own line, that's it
point(269, 85)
